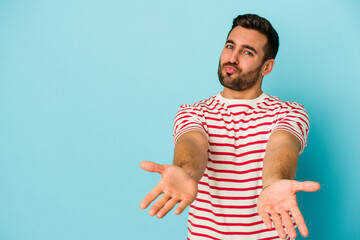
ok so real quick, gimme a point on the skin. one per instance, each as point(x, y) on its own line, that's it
point(244, 49)
point(178, 183)
point(279, 196)
point(241, 62)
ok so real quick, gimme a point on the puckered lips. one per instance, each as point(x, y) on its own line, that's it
point(230, 69)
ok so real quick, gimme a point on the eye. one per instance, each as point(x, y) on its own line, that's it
point(248, 53)
point(229, 46)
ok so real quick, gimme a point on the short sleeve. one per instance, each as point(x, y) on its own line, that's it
point(296, 121)
point(188, 118)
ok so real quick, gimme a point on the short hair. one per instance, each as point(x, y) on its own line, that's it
point(255, 22)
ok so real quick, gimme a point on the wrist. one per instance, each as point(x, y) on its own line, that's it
point(267, 182)
point(190, 172)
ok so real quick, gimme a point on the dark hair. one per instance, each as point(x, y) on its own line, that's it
point(255, 22)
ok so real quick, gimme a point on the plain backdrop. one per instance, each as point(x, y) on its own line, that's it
point(89, 89)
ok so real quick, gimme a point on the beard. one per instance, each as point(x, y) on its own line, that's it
point(240, 82)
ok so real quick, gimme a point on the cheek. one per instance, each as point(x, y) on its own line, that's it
point(248, 63)
point(224, 57)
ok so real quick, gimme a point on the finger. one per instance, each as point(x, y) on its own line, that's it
point(278, 225)
point(151, 196)
point(307, 186)
point(181, 207)
point(159, 204)
point(167, 208)
point(266, 219)
point(300, 222)
point(151, 166)
point(289, 225)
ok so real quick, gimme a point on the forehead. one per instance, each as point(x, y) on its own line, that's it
point(243, 36)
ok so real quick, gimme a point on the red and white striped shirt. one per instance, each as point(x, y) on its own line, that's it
point(237, 131)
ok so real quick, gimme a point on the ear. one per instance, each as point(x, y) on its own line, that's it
point(267, 67)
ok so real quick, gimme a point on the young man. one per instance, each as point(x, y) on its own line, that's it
point(236, 153)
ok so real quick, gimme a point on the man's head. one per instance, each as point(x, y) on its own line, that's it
point(249, 53)
point(260, 24)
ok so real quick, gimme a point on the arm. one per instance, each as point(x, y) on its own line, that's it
point(178, 183)
point(191, 154)
point(281, 157)
point(279, 196)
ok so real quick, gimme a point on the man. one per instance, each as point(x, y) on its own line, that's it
point(236, 153)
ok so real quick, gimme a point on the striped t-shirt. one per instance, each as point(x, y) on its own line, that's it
point(237, 131)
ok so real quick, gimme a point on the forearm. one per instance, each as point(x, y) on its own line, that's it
point(191, 154)
point(281, 158)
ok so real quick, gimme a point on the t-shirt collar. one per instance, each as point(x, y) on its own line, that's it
point(254, 101)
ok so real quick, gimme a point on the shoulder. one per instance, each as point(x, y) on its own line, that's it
point(200, 105)
point(276, 102)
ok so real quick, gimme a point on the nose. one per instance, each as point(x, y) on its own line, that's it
point(234, 58)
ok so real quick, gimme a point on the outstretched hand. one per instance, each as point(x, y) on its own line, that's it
point(278, 201)
point(175, 186)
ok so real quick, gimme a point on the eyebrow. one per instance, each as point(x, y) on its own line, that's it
point(244, 45)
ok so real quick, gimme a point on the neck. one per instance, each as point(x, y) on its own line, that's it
point(245, 94)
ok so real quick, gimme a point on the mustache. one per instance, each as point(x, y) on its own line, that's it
point(231, 65)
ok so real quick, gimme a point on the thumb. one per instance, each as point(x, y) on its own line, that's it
point(307, 186)
point(151, 166)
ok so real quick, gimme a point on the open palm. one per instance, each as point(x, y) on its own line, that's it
point(278, 201)
point(175, 186)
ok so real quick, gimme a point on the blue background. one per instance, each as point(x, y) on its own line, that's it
point(89, 89)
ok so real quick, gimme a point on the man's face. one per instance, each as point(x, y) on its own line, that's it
point(241, 60)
